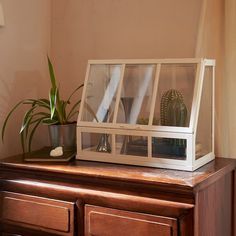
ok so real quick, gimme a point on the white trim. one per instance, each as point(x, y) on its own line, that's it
point(149, 131)
point(118, 94)
point(170, 129)
point(79, 140)
point(189, 150)
point(146, 61)
point(213, 109)
point(198, 97)
point(154, 94)
point(194, 136)
point(113, 144)
point(134, 160)
point(135, 133)
point(203, 160)
point(195, 98)
point(84, 94)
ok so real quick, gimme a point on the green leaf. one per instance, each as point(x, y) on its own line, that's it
point(54, 111)
point(52, 74)
point(26, 130)
point(44, 100)
point(8, 117)
point(63, 111)
point(74, 113)
point(45, 103)
point(60, 108)
point(53, 100)
point(33, 132)
point(90, 110)
point(39, 115)
point(49, 121)
point(44, 114)
point(73, 109)
point(32, 121)
point(27, 117)
point(22, 137)
point(78, 88)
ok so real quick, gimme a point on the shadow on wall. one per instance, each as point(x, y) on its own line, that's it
point(25, 84)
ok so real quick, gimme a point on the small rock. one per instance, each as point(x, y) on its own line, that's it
point(57, 152)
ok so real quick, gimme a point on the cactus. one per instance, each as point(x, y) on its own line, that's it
point(173, 112)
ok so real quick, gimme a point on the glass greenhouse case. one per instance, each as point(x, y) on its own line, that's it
point(157, 113)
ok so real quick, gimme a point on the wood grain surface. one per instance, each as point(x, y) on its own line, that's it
point(200, 203)
point(127, 173)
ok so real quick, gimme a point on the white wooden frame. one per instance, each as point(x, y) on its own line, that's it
point(149, 131)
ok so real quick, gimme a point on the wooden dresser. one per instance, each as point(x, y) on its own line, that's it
point(96, 199)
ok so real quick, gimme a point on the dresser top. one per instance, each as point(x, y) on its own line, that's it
point(144, 175)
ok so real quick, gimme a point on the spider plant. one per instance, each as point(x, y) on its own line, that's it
point(51, 111)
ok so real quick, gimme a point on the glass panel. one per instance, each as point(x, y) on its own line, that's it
point(204, 127)
point(169, 148)
point(136, 94)
point(101, 92)
point(175, 94)
point(132, 145)
point(96, 142)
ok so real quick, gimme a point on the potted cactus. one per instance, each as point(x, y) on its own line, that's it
point(55, 112)
point(173, 113)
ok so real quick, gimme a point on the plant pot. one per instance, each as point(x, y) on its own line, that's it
point(63, 135)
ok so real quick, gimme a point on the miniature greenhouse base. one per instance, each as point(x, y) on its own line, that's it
point(190, 164)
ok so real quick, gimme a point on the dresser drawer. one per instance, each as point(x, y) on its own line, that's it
point(101, 221)
point(42, 214)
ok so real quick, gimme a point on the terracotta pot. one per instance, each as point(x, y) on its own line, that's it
point(63, 135)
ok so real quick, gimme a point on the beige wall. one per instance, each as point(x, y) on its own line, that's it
point(24, 43)
point(111, 29)
point(78, 30)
